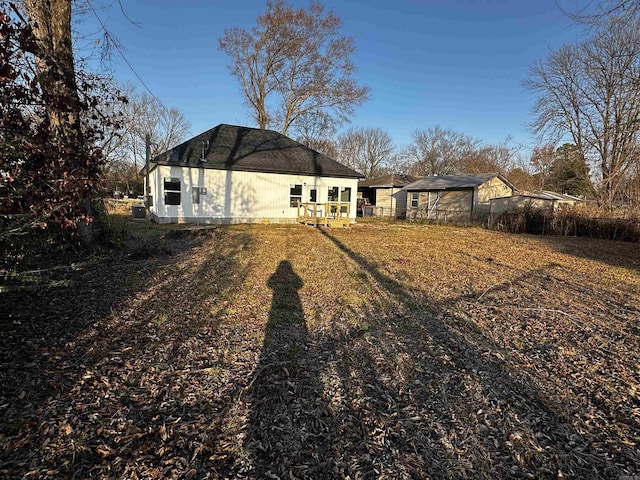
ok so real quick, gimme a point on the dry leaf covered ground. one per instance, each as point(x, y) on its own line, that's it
point(381, 351)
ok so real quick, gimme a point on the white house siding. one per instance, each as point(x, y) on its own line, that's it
point(236, 196)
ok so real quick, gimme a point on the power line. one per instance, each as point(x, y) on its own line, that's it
point(521, 145)
point(119, 50)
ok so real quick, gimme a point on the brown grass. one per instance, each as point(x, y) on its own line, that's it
point(568, 222)
point(121, 207)
point(381, 351)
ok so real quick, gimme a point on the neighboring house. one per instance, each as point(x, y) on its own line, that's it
point(381, 196)
point(233, 174)
point(455, 197)
point(544, 200)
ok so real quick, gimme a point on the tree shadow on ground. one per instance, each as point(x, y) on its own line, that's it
point(164, 384)
point(290, 429)
point(49, 310)
point(596, 249)
point(440, 399)
point(117, 390)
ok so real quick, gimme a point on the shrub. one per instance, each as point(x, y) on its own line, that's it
point(567, 222)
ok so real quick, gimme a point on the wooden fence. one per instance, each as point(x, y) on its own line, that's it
point(435, 215)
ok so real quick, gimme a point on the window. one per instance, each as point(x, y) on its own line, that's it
point(313, 195)
point(332, 195)
point(295, 195)
point(415, 198)
point(171, 191)
point(195, 195)
point(345, 197)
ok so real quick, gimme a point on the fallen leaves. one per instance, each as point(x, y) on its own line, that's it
point(104, 451)
point(390, 353)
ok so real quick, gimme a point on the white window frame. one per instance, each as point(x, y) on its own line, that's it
point(415, 199)
point(172, 191)
point(295, 198)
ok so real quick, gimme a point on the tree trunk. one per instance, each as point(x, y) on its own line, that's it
point(70, 165)
point(50, 21)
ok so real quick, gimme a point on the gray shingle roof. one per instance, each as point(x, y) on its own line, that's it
point(387, 181)
point(548, 195)
point(452, 182)
point(232, 147)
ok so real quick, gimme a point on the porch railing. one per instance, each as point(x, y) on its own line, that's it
point(327, 213)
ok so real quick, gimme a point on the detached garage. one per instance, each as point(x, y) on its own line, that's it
point(455, 198)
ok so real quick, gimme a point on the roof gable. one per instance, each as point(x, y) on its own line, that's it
point(231, 147)
point(454, 182)
point(388, 181)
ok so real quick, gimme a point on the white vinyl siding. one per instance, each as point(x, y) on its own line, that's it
point(238, 197)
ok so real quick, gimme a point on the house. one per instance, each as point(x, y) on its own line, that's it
point(381, 195)
point(455, 197)
point(233, 174)
point(545, 200)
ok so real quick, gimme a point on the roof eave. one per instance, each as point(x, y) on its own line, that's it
point(256, 170)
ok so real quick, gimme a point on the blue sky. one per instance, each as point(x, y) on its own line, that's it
point(454, 63)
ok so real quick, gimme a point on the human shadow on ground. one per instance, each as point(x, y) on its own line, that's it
point(288, 412)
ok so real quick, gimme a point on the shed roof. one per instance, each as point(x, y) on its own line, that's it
point(546, 195)
point(453, 182)
point(562, 196)
point(388, 181)
point(231, 147)
point(537, 196)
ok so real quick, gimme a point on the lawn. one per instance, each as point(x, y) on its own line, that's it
point(274, 351)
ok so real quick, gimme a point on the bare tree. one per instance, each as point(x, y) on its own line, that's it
point(590, 92)
point(146, 114)
point(437, 151)
point(123, 145)
point(316, 130)
point(366, 150)
point(488, 159)
point(600, 12)
point(293, 62)
point(541, 161)
point(326, 146)
point(629, 194)
point(122, 178)
point(522, 179)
